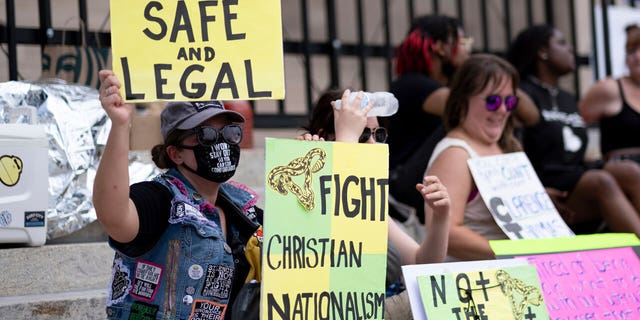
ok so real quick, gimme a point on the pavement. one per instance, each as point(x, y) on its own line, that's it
point(67, 277)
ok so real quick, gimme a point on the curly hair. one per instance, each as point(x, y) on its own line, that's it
point(523, 52)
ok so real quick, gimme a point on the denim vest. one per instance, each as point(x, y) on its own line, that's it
point(191, 272)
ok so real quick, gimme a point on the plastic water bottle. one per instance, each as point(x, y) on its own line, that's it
point(384, 103)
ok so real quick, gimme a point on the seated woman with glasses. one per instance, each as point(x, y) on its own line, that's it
point(350, 123)
point(478, 120)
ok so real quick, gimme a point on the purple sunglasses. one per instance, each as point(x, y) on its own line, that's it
point(494, 101)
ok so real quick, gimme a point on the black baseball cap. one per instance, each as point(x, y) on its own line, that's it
point(187, 115)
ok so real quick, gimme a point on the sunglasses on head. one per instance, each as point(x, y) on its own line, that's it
point(208, 136)
point(379, 135)
point(494, 101)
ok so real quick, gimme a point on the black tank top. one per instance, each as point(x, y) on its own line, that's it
point(622, 130)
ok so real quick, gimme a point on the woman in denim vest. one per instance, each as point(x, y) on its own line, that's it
point(187, 242)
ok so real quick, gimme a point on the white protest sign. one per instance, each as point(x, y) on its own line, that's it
point(517, 200)
point(412, 272)
point(619, 17)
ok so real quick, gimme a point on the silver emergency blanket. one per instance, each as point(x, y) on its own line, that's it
point(77, 128)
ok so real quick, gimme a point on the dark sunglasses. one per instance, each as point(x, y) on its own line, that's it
point(208, 136)
point(494, 102)
point(379, 135)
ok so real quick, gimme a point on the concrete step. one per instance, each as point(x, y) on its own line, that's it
point(88, 304)
point(63, 281)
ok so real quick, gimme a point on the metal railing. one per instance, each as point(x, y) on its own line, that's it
point(332, 46)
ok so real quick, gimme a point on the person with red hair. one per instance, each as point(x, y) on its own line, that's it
point(425, 61)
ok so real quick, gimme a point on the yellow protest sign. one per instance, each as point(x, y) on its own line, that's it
point(198, 50)
point(325, 233)
point(510, 293)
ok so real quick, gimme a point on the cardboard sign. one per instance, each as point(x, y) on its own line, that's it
point(595, 284)
point(503, 294)
point(198, 50)
point(325, 235)
point(517, 200)
point(411, 273)
point(509, 249)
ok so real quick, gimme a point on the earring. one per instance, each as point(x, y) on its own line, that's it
point(544, 56)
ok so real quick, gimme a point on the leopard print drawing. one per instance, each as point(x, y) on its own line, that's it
point(512, 287)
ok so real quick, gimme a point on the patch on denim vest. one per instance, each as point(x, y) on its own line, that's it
point(207, 310)
point(146, 279)
point(182, 211)
point(251, 213)
point(143, 311)
point(114, 312)
point(217, 283)
point(120, 283)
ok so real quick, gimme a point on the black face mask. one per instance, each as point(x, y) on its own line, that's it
point(216, 163)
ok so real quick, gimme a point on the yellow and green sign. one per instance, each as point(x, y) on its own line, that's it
point(325, 230)
point(509, 293)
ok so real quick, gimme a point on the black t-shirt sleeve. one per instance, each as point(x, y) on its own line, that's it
point(410, 126)
point(153, 202)
point(411, 91)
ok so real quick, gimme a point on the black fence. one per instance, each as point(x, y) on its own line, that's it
point(497, 19)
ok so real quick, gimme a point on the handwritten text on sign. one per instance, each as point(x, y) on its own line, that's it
point(325, 234)
point(506, 293)
point(198, 50)
point(517, 200)
point(594, 284)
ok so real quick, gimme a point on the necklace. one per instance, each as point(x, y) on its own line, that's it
point(552, 90)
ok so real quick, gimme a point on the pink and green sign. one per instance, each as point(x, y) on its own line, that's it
point(593, 284)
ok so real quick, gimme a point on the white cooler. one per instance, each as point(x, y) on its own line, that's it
point(24, 183)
